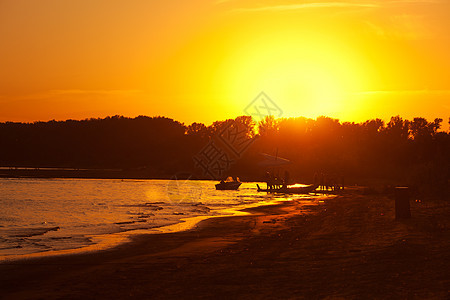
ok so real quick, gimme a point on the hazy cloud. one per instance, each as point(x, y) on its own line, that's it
point(93, 92)
point(62, 95)
point(435, 98)
point(416, 1)
point(422, 91)
point(293, 7)
point(328, 4)
point(383, 104)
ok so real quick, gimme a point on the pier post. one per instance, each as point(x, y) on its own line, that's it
point(402, 207)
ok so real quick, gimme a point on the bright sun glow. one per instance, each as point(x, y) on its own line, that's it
point(306, 76)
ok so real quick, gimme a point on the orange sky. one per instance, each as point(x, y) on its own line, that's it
point(202, 60)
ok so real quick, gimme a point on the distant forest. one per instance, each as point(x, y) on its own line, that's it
point(414, 152)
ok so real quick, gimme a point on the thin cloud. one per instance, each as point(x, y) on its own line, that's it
point(73, 94)
point(337, 4)
point(422, 91)
point(416, 2)
point(93, 92)
point(428, 103)
point(294, 7)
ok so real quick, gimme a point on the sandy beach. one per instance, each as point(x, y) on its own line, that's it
point(348, 247)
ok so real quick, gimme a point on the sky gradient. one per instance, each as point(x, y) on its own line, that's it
point(202, 60)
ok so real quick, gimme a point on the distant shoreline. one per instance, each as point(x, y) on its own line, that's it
point(30, 172)
point(109, 173)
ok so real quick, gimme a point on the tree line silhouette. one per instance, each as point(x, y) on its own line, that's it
point(413, 152)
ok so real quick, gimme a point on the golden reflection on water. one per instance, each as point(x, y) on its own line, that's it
point(93, 215)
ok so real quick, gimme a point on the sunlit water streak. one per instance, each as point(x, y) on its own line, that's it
point(58, 215)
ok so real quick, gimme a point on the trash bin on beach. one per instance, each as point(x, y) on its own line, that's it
point(402, 208)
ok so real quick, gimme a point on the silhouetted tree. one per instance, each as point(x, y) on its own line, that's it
point(401, 151)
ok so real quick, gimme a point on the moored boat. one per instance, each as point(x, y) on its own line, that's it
point(291, 189)
point(229, 184)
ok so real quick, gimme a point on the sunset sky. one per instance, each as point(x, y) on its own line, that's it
point(206, 60)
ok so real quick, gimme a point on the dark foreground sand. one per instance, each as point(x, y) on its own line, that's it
point(349, 247)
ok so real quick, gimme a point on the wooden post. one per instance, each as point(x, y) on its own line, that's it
point(402, 208)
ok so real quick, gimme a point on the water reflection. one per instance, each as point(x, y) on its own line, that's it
point(55, 214)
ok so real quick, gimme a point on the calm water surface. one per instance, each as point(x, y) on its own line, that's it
point(48, 215)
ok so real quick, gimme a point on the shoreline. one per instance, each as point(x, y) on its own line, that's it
point(106, 242)
point(349, 246)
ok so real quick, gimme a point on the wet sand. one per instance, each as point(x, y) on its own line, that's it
point(348, 247)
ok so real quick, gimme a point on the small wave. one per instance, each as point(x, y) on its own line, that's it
point(201, 210)
point(35, 231)
point(157, 208)
point(143, 216)
point(145, 205)
point(11, 247)
point(130, 222)
point(7, 219)
point(41, 246)
point(124, 223)
point(140, 214)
